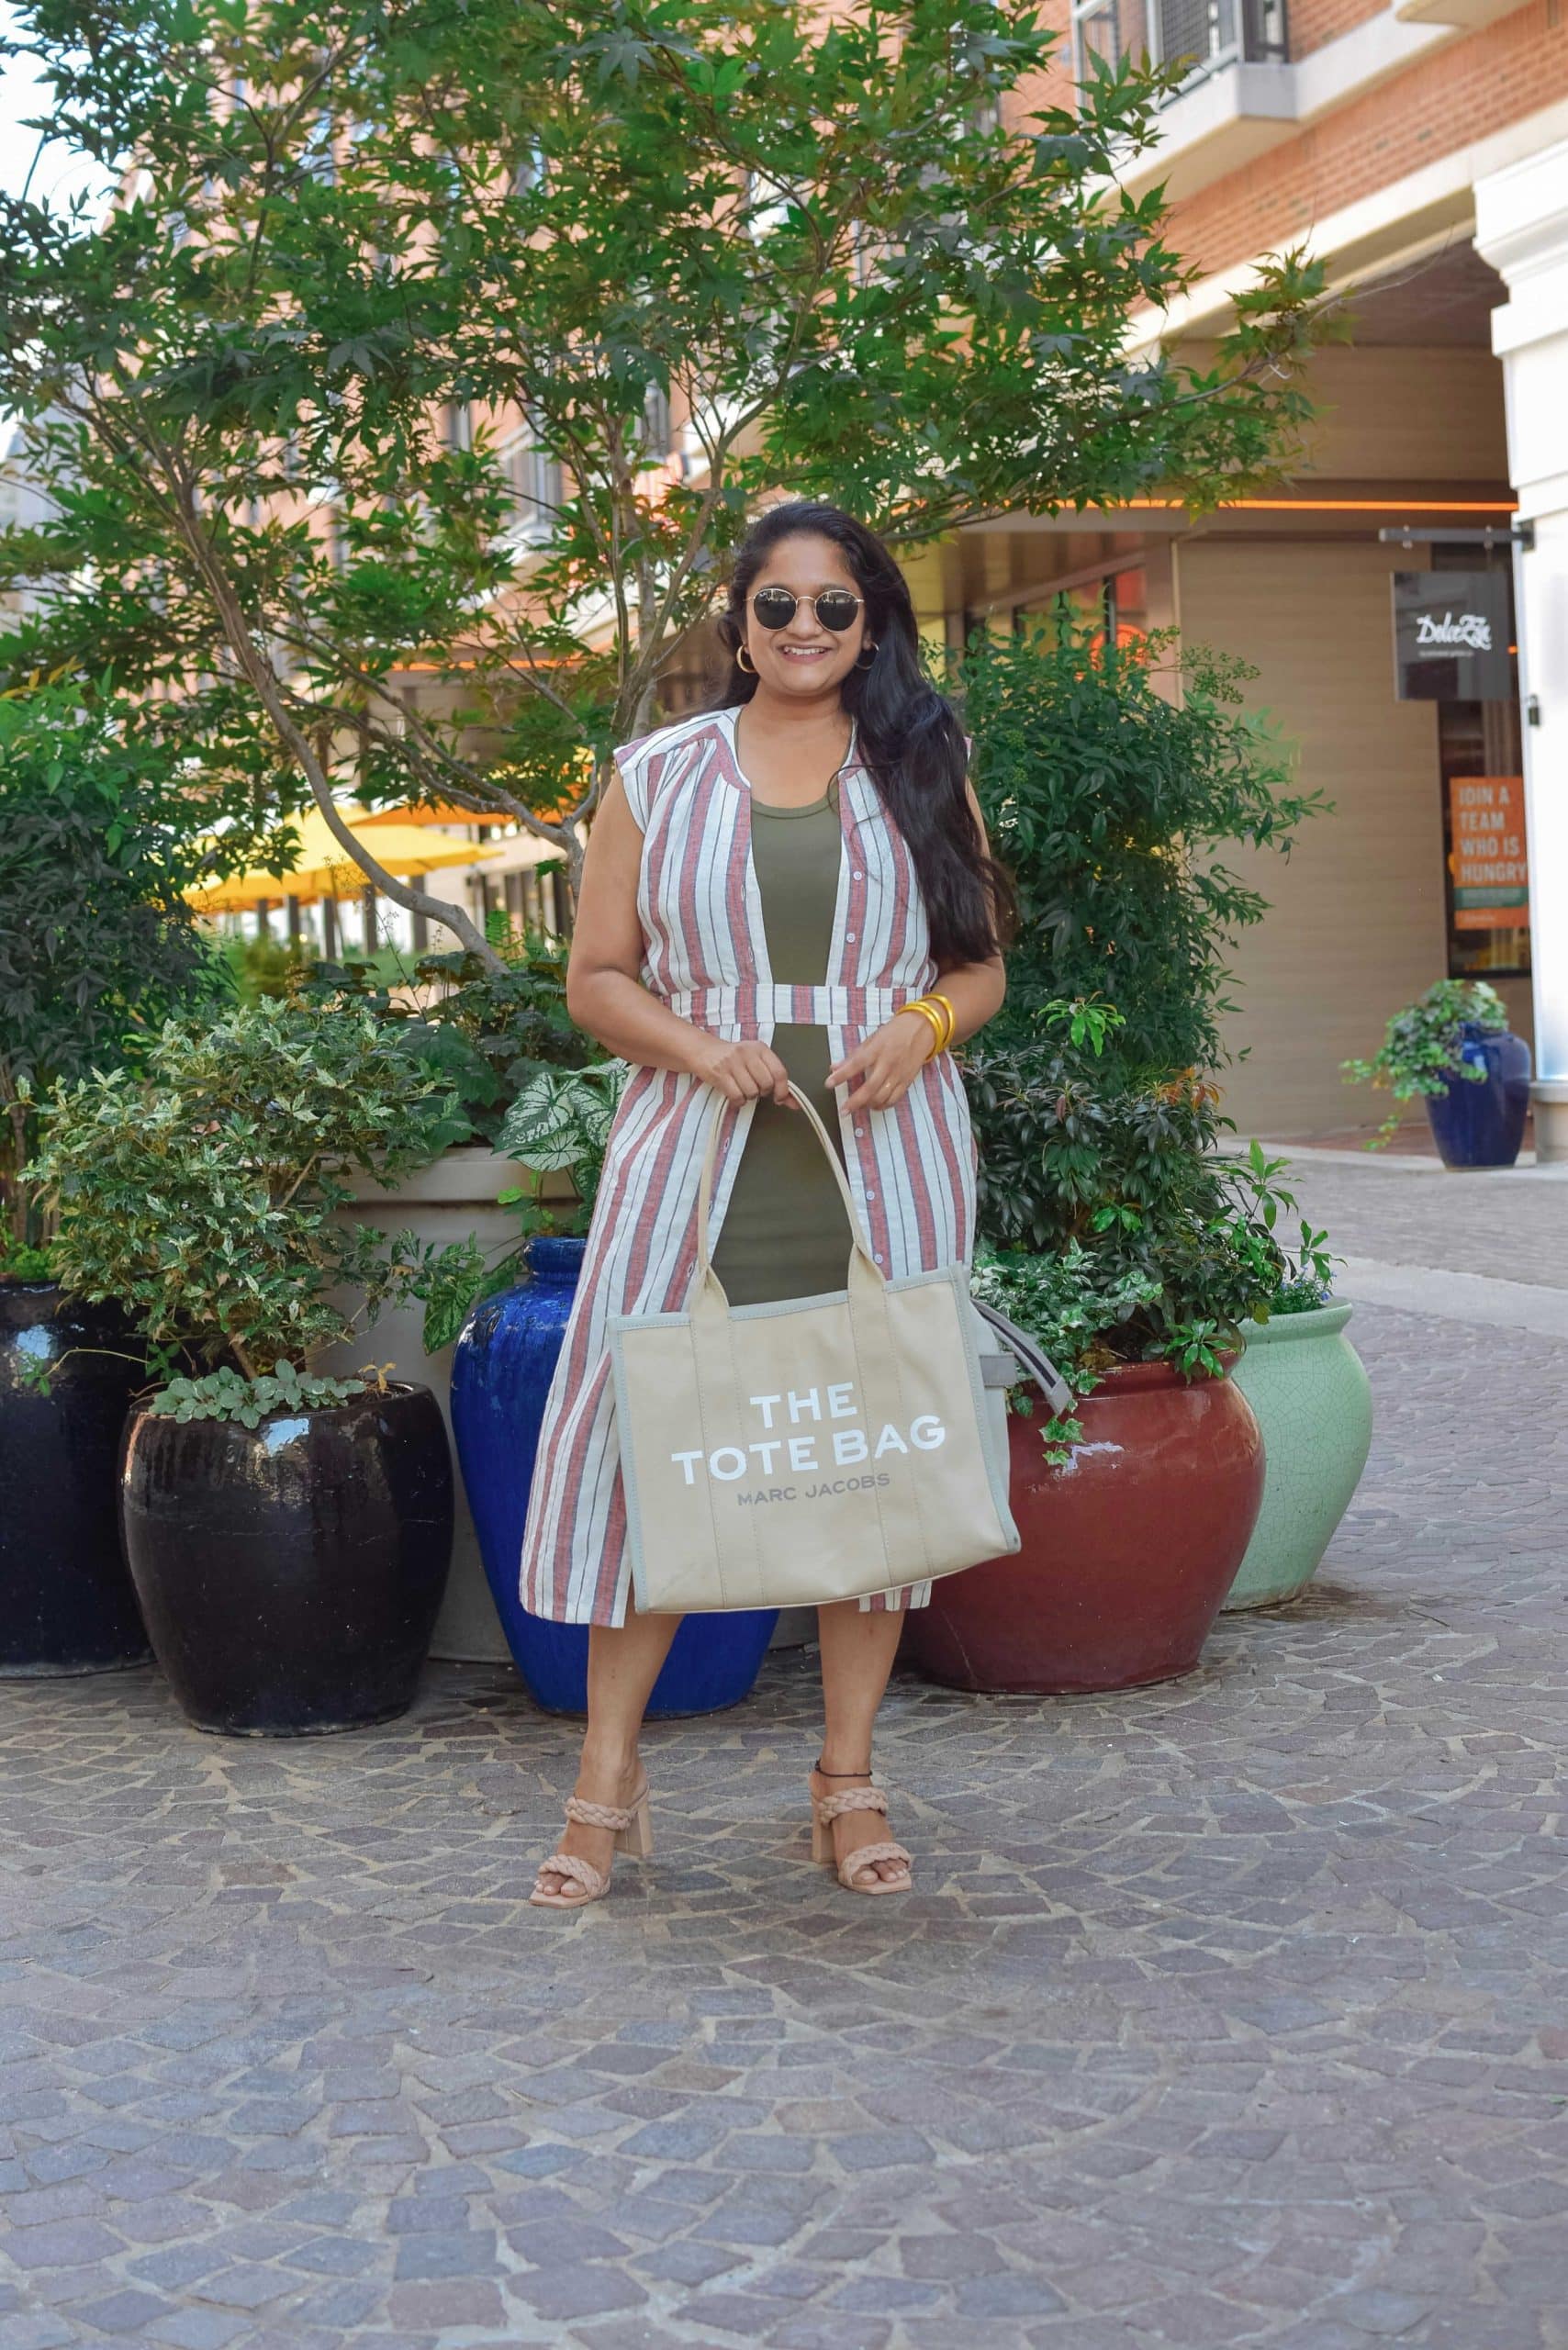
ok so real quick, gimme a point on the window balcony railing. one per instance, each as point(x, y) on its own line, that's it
point(1198, 36)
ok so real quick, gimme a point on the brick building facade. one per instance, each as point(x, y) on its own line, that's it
point(1420, 148)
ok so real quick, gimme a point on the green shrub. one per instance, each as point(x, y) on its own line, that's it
point(203, 1192)
point(1112, 1224)
point(1114, 780)
point(96, 944)
point(486, 1031)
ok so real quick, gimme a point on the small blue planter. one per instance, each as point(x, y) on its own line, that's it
point(500, 1373)
point(1481, 1122)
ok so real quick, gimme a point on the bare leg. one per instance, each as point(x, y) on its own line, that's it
point(623, 1664)
point(857, 1648)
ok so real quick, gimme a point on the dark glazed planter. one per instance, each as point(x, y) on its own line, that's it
point(290, 1574)
point(66, 1601)
point(1481, 1123)
point(500, 1374)
point(1128, 1550)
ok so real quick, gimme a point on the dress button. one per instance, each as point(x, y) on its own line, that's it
point(870, 1195)
point(879, 1258)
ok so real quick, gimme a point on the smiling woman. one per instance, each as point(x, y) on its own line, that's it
point(793, 887)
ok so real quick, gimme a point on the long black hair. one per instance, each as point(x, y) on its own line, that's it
point(907, 733)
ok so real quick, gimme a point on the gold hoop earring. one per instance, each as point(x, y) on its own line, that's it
point(743, 663)
point(861, 661)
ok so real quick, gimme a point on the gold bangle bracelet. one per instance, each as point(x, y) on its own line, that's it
point(952, 1015)
point(943, 1016)
point(938, 1009)
point(928, 1013)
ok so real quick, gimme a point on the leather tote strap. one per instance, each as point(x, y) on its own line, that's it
point(1034, 1359)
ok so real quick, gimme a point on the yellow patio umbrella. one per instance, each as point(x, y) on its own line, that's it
point(325, 870)
point(377, 819)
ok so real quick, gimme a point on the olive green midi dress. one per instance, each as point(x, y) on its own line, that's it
point(785, 1232)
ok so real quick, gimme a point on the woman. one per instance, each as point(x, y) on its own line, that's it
point(768, 890)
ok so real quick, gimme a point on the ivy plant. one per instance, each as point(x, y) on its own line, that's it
point(1423, 1052)
point(225, 1395)
point(210, 1192)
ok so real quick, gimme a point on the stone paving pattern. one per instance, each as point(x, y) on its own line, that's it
point(1508, 1224)
point(1233, 2011)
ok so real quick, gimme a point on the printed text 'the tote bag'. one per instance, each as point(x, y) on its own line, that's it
point(808, 1450)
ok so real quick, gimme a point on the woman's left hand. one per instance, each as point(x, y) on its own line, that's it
point(884, 1064)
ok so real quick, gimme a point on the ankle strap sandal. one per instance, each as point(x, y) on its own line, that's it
point(825, 1810)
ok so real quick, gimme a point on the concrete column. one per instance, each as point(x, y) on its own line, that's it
point(1521, 228)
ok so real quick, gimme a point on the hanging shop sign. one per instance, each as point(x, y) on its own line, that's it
point(1487, 858)
point(1452, 636)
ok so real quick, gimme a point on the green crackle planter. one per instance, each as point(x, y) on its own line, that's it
point(1310, 1394)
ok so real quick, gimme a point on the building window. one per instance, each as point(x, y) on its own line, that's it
point(459, 426)
point(1199, 36)
point(1115, 607)
point(1486, 855)
point(534, 479)
point(656, 434)
point(1486, 852)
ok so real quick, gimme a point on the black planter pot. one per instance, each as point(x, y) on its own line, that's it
point(66, 1601)
point(290, 1574)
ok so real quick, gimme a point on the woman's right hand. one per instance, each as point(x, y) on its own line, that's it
point(741, 1068)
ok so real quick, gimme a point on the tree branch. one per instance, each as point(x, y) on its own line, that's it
point(267, 686)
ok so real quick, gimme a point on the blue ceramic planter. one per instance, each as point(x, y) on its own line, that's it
point(1481, 1123)
point(500, 1373)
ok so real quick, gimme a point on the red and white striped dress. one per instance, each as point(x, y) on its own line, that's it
point(911, 1168)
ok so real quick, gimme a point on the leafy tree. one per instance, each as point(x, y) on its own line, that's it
point(354, 248)
point(1115, 783)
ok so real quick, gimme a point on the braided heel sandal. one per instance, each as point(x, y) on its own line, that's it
point(825, 1810)
point(633, 1833)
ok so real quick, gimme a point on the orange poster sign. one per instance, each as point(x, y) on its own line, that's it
point(1487, 856)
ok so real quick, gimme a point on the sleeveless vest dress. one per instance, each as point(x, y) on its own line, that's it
point(706, 953)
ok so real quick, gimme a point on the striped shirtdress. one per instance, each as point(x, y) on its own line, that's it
point(912, 1168)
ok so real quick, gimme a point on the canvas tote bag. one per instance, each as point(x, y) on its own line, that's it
point(808, 1450)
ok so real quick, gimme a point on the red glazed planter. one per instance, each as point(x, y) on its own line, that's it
point(1128, 1550)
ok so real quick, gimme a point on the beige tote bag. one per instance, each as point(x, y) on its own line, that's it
point(811, 1448)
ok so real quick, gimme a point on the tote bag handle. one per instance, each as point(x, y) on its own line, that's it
point(705, 1274)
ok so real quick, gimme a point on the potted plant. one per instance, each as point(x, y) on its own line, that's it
point(486, 1032)
point(1117, 1234)
point(1454, 1048)
point(502, 1370)
point(287, 1532)
point(1310, 1397)
point(95, 946)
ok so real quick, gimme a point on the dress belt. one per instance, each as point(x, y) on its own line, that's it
point(817, 1007)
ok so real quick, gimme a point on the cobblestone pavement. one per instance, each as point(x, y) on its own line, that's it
point(1506, 1222)
point(1232, 2012)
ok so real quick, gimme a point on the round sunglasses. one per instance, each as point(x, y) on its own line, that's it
point(835, 608)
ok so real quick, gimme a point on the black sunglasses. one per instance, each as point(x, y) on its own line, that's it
point(835, 608)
